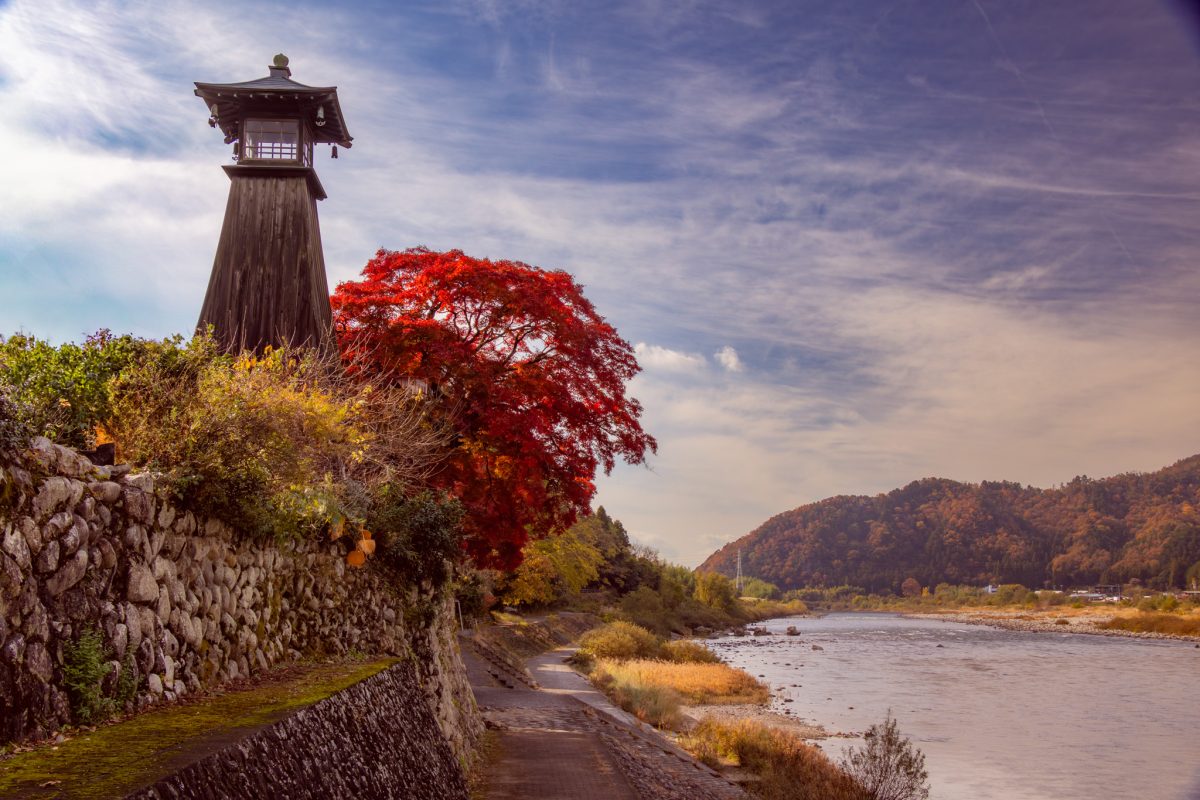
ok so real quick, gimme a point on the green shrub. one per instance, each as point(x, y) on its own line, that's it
point(419, 534)
point(715, 591)
point(693, 614)
point(756, 587)
point(127, 681)
point(1167, 603)
point(685, 651)
point(84, 667)
point(620, 640)
point(15, 429)
point(644, 607)
point(282, 442)
point(63, 392)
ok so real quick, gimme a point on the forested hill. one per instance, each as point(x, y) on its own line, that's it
point(1089, 531)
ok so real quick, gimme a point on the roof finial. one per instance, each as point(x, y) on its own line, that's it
point(279, 66)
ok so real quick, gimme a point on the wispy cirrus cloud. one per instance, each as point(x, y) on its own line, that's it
point(858, 245)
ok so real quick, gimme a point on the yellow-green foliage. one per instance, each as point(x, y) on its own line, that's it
point(61, 392)
point(553, 567)
point(788, 767)
point(253, 440)
point(685, 651)
point(276, 442)
point(756, 587)
point(1175, 624)
point(696, 683)
point(765, 609)
point(620, 640)
point(715, 591)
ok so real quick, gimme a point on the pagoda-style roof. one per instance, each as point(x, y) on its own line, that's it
point(277, 93)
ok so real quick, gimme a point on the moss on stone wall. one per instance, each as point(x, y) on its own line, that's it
point(114, 760)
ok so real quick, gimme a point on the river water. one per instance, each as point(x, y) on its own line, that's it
point(999, 714)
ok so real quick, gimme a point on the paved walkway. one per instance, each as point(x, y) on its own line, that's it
point(554, 675)
point(563, 739)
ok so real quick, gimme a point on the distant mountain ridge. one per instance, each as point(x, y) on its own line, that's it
point(1135, 525)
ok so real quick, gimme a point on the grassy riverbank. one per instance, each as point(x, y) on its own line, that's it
point(656, 681)
point(1099, 620)
point(1167, 624)
point(784, 764)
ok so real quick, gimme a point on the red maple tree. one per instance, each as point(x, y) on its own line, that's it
point(533, 380)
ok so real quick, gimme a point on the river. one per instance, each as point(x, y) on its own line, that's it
point(1001, 714)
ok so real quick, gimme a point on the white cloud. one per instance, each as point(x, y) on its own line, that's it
point(662, 359)
point(727, 357)
point(930, 305)
point(957, 388)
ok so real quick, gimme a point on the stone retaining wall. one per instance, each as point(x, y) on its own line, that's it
point(184, 602)
point(378, 739)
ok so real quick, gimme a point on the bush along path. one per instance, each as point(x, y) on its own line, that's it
point(554, 736)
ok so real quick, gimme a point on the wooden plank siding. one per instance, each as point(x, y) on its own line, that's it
point(268, 284)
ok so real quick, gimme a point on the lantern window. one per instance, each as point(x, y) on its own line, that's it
point(273, 140)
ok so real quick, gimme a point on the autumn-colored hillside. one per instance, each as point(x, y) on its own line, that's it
point(1088, 531)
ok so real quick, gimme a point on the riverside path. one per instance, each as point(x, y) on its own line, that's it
point(558, 737)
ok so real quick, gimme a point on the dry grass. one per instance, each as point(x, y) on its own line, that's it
point(655, 705)
point(686, 651)
point(788, 767)
point(697, 683)
point(620, 640)
point(1142, 622)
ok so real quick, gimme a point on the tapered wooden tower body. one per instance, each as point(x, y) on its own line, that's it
point(268, 284)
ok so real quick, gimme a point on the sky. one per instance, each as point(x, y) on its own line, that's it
point(854, 243)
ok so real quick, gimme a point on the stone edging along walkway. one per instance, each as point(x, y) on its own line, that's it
point(314, 731)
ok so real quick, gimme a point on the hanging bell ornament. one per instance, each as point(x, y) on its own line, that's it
point(334, 153)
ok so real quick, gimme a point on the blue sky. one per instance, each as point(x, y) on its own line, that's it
point(855, 243)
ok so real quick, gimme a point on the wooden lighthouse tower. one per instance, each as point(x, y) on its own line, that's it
point(268, 284)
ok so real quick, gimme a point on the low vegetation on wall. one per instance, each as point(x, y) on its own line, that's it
point(112, 598)
point(279, 444)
